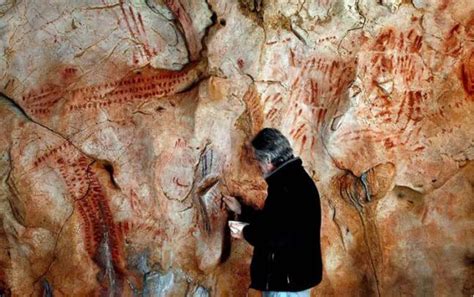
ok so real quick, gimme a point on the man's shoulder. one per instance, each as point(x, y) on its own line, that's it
point(301, 177)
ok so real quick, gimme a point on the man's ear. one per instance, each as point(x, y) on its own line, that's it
point(270, 166)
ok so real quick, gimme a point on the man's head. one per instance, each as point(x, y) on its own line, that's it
point(271, 149)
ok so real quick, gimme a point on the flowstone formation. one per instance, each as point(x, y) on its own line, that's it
point(124, 123)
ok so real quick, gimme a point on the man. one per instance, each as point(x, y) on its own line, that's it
point(285, 233)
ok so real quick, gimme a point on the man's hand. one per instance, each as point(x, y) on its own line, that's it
point(232, 204)
point(236, 229)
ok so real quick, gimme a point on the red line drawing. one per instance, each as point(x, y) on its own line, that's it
point(147, 84)
point(180, 142)
point(271, 114)
point(51, 153)
point(254, 107)
point(193, 41)
point(103, 238)
point(385, 40)
point(100, 230)
point(136, 29)
point(177, 182)
point(143, 86)
point(467, 75)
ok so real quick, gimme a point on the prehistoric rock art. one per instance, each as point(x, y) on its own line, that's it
point(124, 123)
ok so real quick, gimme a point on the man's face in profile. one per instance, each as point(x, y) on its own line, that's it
point(261, 165)
point(265, 168)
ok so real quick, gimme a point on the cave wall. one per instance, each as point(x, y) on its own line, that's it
point(123, 124)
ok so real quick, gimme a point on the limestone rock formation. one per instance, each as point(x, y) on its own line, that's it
point(124, 122)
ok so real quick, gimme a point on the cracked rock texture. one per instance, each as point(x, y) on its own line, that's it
point(124, 122)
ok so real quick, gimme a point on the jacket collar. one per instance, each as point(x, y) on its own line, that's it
point(280, 170)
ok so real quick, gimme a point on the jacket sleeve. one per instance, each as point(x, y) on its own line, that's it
point(265, 230)
point(254, 233)
point(286, 226)
point(248, 214)
point(261, 229)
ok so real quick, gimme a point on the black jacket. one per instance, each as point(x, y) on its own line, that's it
point(286, 232)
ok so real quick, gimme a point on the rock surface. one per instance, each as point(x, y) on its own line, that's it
point(123, 123)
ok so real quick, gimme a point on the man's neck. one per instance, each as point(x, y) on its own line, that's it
point(274, 168)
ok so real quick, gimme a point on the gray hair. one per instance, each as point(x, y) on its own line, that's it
point(271, 146)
